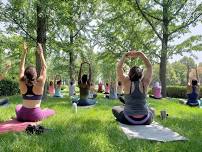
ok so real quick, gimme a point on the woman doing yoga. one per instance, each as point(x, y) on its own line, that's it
point(31, 88)
point(135, 84)
point(84, 86)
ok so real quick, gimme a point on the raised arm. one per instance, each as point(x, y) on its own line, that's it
point(43, 63)
point(119, 69)
point(22, 63)
point(148, 72)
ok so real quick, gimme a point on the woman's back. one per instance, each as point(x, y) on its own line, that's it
point(84, 90)
point(193, 93)
point(31, 94)
point(135, 102)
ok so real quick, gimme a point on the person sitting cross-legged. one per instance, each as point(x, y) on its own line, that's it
point(32, 89)
point(107, 89)
point(113, 91)
point(193, 90)
point(135, 84)
point(156, 91)
point(51, 88)
point(84, 86)
point(58, 86)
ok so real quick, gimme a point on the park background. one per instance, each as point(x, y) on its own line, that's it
point(169, 32)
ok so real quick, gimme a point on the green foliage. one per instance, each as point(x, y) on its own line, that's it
point(178, 91)
point(8, 88)
point(74, 28)
point(180, 73)
point(121, 29)
point(107, 67)
point(176, 73)
point(193, 43)
point(188, 61)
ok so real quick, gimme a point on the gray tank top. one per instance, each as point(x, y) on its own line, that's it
point(135, 102)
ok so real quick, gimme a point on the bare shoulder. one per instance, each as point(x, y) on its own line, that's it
point(126, 79)
point(22, 86)
point(40, 83)
point(21, 82)
point(145, 82)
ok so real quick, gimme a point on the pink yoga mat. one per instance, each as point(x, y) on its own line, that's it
point(14, 126)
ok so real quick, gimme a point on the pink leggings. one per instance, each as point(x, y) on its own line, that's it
point(32, 114)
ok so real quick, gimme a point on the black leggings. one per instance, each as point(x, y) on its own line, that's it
point(121, 98)
point(151, 96)
point(118, 113)
point(85, 102)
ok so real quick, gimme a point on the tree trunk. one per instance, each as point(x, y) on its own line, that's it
point(41, 38)
point(71, 56)
point(188, 74)
point(162, 74)
point(163, 59)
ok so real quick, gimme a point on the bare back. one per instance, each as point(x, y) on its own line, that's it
point(38, 89)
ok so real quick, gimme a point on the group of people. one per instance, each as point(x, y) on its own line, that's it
point(110, 90)
point(54, 88)
point(134, 109)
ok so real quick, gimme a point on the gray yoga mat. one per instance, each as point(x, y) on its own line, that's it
point(155, 132)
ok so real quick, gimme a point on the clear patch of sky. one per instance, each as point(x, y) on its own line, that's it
point(194, 31)
point(4, 1)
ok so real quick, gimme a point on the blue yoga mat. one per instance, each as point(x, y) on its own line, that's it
point(3, 102)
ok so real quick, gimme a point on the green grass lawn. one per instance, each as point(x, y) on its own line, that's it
point(95, 130)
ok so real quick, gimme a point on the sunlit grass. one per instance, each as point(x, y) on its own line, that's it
point(95, 130)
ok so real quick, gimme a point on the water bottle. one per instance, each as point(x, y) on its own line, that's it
point(74, 107)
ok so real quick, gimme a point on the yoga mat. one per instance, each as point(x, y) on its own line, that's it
point(14, 126)
point(155, 132)
point(4, 102)
point(86, 107)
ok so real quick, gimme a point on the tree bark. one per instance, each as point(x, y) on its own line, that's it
point(163, 61)
point(71, 56)
point(41, 38)
point(162, 73)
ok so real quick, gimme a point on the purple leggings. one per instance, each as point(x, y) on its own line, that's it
point(32, 114)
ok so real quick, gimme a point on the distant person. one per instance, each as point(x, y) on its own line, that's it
point(92, 92)
point(135, 84)
point(156, 91)
point(193, 90)
point(51, 88)
point(84, 82)
point(113, 90)
point(58, 87)
point(71, 88)
point(4, 102)
point(107, 88)
point(100, 90)
point(32, 89)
